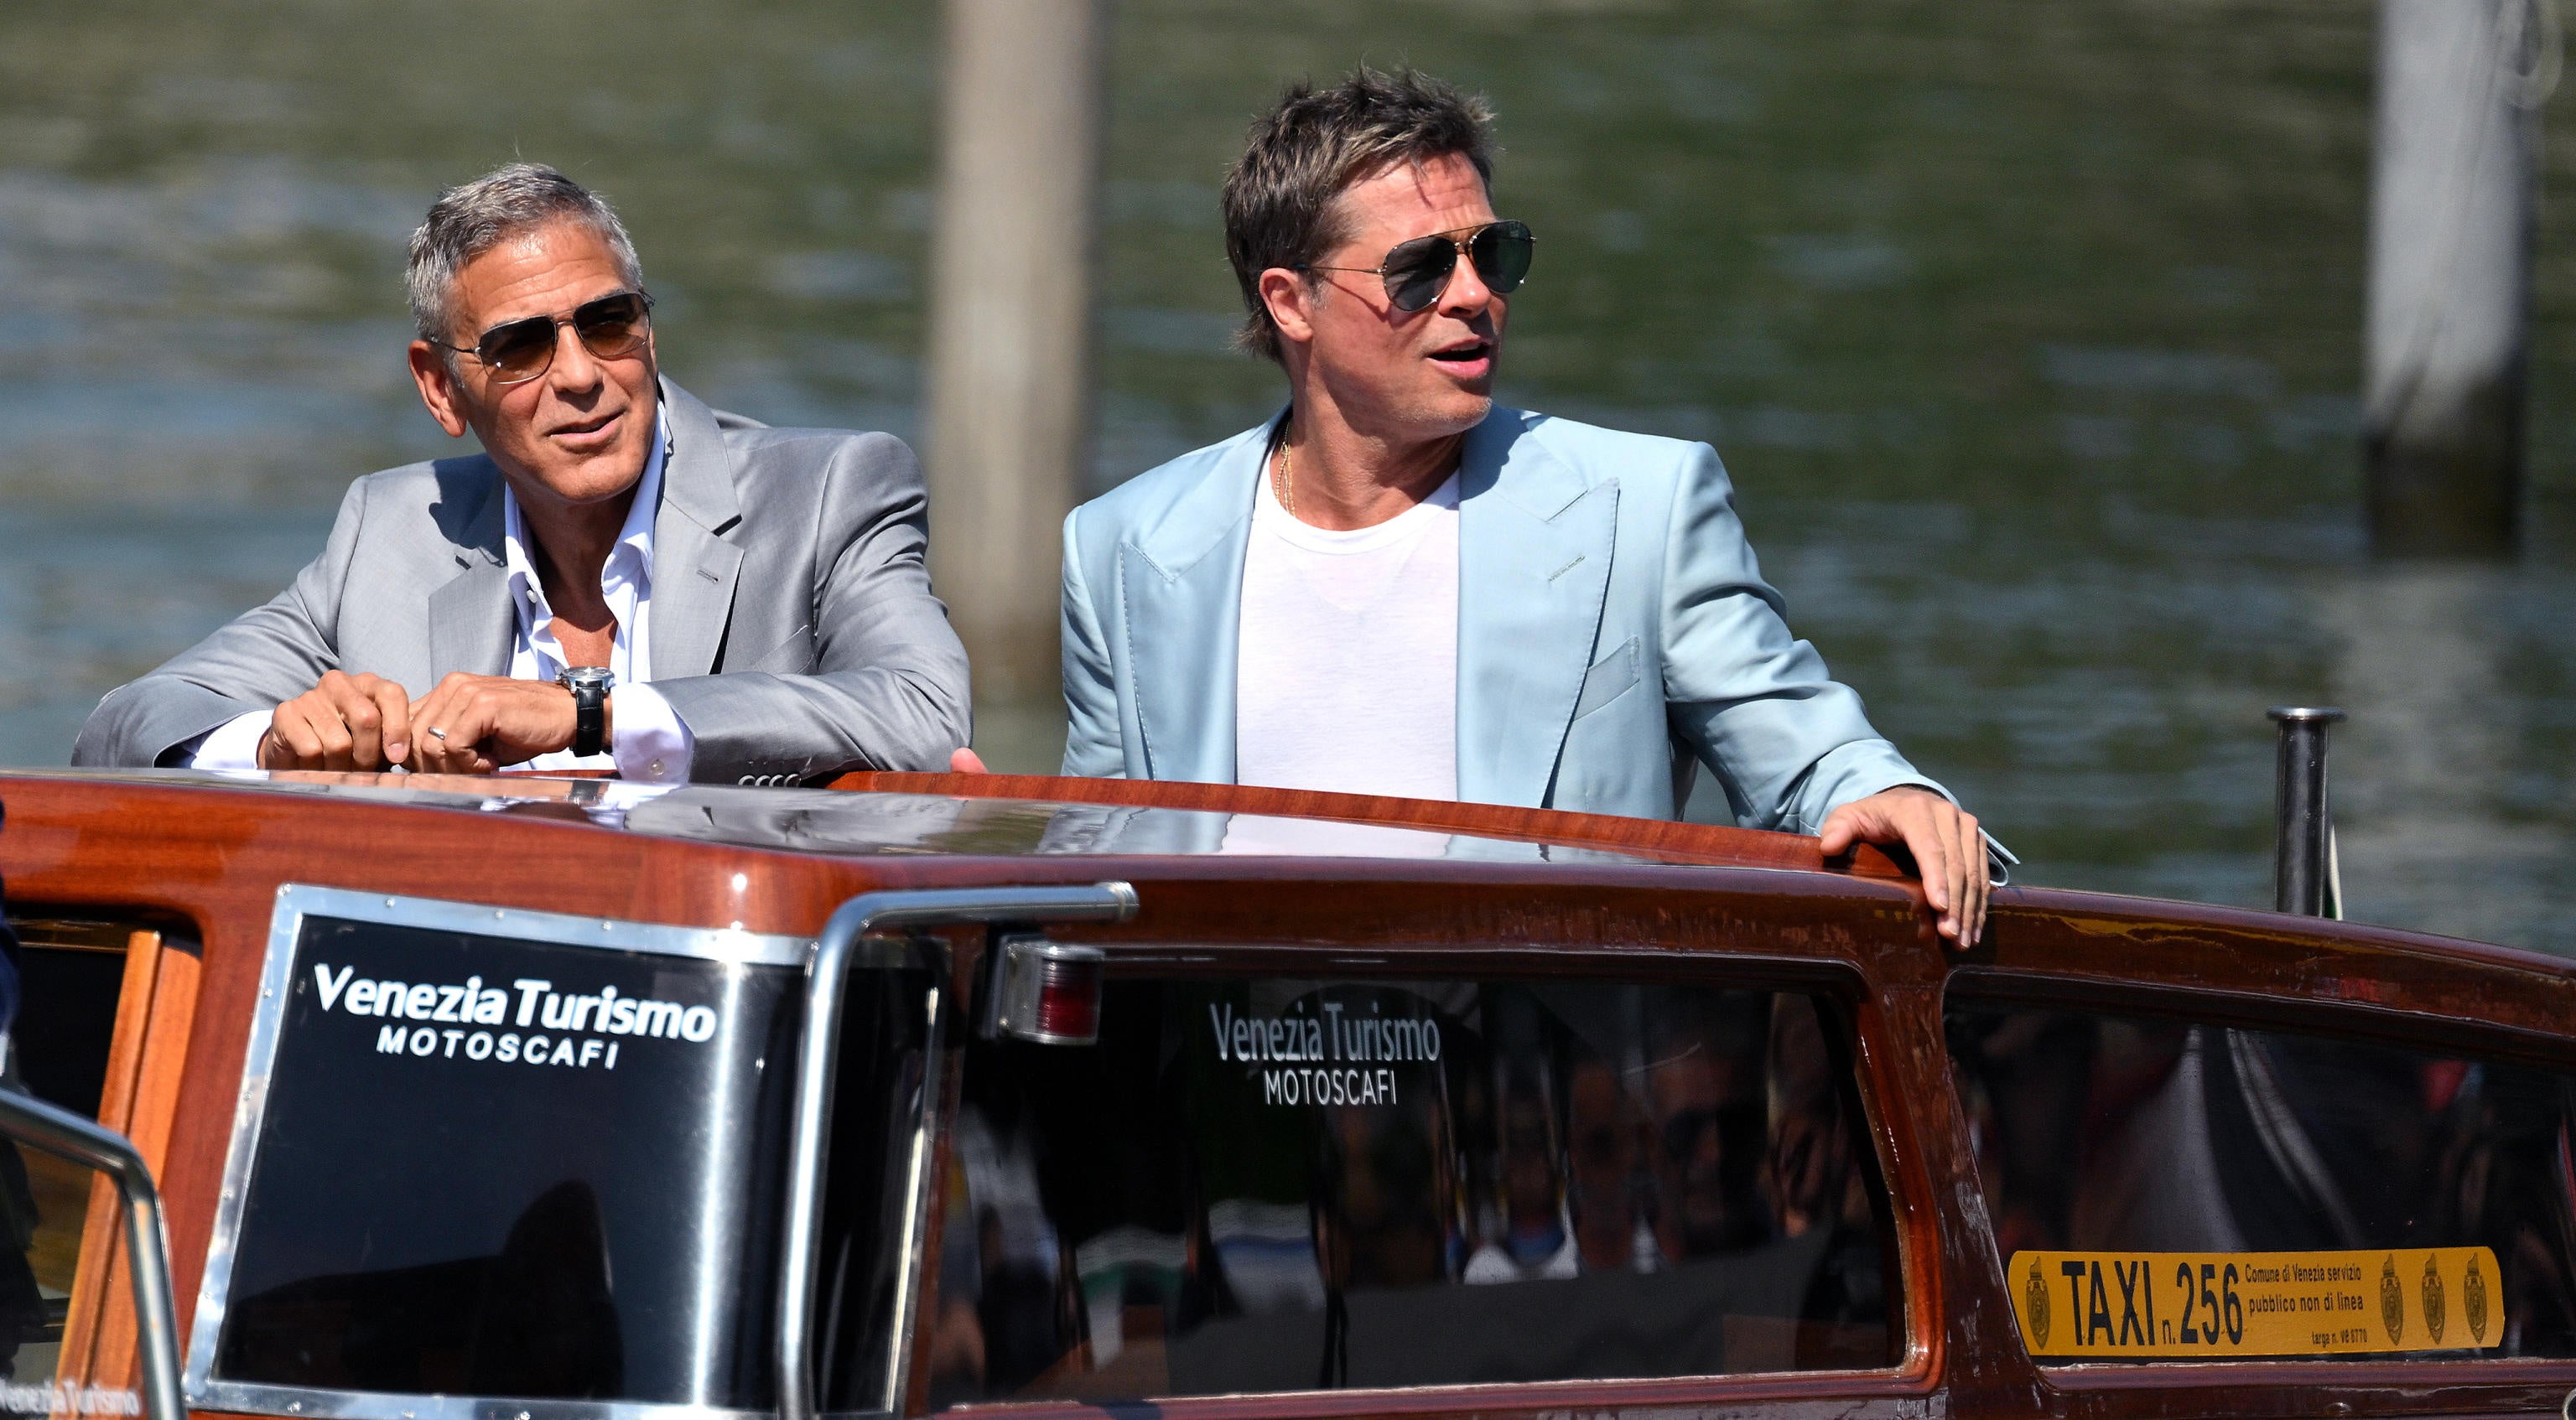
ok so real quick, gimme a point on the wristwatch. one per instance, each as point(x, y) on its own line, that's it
point(589, 686)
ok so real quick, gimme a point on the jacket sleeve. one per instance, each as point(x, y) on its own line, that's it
point(1091, 741)
point(1787, 742)
point(261, 659)
point(889, 689)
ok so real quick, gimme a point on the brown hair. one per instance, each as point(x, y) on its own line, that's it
point(1280, 207)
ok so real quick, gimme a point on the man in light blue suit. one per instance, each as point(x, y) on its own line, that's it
point(1398, 587)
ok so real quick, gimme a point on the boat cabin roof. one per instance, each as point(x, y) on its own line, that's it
point(204, 887)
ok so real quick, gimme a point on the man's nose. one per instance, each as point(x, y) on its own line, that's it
point(574, 369)
point(1466, 294)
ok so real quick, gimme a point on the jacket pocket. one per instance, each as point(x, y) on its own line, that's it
point(1609, 678)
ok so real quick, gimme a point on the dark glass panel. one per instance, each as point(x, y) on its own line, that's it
point(1278, 1185)
point(524, 1203)
point(57, 1051)
point(66, 1017)
point(878, 1104)
point(2101, 1133)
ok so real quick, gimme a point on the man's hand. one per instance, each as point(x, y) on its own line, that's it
point(344, 722)
point(1943, 839)
point(966, 761)
point(475, 724)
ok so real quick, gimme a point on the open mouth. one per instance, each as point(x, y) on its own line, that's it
point(1465, 352)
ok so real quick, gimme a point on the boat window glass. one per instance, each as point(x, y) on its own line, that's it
point(2170, 1190)
point(66, 1318)
point(55, 1233)
point(58, 1049)
point(1288, 1185)
point(524, 1168)
point(69, 977)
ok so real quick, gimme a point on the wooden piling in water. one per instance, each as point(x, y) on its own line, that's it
point(2450, 260)
point(1010, 324)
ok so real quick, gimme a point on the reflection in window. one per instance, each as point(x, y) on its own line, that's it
point(1286, 1185)
point(69, 977)
point(50, 1256)
point(37, 1264)
point(2100, 1133)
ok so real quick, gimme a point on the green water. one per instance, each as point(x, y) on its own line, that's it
point(2030, 332)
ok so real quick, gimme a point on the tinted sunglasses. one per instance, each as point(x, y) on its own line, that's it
point(1416, 272)
point(610, 328)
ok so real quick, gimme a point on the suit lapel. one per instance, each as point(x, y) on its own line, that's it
point(694, 565)
point(471, 621)
point(1534, 546)
point(1182, 581)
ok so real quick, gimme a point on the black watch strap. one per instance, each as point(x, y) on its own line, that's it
point(589, 686)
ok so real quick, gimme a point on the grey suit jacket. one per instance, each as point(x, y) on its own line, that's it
point(793, 626)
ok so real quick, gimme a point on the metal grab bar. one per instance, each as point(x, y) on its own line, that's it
point(147, 1246)
point(2305, 824)
point(818, 1049)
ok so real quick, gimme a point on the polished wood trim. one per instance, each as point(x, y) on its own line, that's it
point(102, 1252)
point(155, 1120)
point(1665, 839)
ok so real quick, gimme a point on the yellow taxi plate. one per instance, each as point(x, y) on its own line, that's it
point(2142, 1304)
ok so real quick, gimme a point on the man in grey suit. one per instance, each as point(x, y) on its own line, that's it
point(623, 579)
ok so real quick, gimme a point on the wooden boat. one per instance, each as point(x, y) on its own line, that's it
point(545, 1099)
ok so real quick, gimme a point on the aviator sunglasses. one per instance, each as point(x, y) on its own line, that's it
point(1416, 272)
point(610, 328)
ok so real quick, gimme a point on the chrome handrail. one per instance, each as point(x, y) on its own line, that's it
point(147, 1246)
point(818, 1049)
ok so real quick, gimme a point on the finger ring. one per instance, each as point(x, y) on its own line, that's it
point(436, 732)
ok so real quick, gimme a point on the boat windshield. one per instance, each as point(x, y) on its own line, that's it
point(498, 1163)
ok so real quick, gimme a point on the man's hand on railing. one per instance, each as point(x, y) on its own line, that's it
point(1948, 854)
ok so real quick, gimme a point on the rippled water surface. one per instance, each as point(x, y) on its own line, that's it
point(2029, 330)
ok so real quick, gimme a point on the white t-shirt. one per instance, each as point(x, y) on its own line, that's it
point(1347, 669)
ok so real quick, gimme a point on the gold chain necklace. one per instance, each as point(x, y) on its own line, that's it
point(1283, 482)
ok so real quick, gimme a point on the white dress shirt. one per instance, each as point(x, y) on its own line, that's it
point(652, 744)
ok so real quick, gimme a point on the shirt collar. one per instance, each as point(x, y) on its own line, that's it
point(634, 539)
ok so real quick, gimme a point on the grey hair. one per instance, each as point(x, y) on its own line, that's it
point(472, 218)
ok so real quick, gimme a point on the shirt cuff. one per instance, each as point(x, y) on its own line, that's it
point(653, 745)
point(234, 744)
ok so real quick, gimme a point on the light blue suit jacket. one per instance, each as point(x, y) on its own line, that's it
point(1613, 632)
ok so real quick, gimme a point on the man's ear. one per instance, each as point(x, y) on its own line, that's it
point(1291, 302)
point(438, 388)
